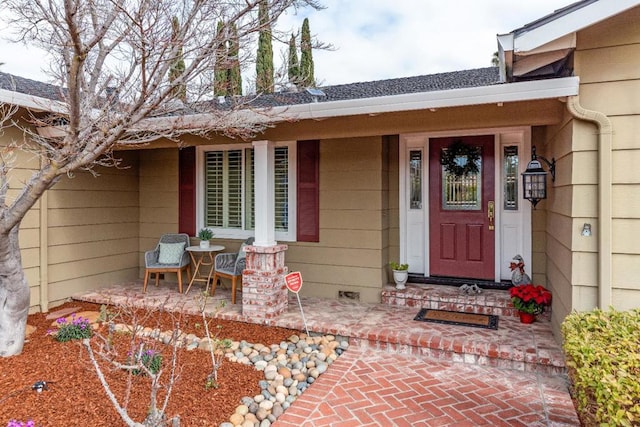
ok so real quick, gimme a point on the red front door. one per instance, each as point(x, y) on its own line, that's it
point(462, 210)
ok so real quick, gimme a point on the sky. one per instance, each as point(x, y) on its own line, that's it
point(376, 39)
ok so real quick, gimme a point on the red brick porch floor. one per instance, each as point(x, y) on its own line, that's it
point(399, 372)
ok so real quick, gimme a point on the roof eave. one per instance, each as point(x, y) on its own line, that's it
point(499, 93)
point(30, 102)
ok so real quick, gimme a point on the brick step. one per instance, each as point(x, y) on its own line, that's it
point(515, 346)
point(442, 297)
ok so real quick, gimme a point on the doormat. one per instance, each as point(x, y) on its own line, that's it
point(487, 321)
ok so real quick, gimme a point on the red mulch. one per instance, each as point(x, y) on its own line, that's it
point(76, 397)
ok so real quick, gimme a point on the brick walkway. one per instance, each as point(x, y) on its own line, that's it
point(372, 388)
point(398, 372)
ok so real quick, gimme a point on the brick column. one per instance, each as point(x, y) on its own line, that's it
point(264, 293)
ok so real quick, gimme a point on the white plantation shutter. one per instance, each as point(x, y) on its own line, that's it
point(234, 189)
point(223, 189)
point(281, 176)
point(249, 203)
point(214, 189)
point(229, 189)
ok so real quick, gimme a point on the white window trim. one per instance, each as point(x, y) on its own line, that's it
point(233, 233)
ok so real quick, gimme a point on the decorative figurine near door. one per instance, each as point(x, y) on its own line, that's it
point(518, 276)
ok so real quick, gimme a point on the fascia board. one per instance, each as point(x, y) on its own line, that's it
point(31, 102)
point(569, 23)
point(509, 92)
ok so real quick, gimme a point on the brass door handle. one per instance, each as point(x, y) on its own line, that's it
point(491, 213)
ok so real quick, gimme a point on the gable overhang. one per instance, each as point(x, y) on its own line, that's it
point(493, 94)
point(564, 25)
point(544, 48)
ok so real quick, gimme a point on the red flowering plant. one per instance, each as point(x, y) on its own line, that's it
point(530, 298)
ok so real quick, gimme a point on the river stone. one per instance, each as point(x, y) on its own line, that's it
point(267, 404)
point(260, 365)
point(261, 414)
point(277, 410)
point(236, 419)
point(242, 410)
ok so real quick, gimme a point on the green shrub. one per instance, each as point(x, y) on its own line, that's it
point(602, 349)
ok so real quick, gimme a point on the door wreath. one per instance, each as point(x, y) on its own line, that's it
point(460, 159)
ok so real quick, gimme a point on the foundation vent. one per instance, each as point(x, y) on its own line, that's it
point(355, 296)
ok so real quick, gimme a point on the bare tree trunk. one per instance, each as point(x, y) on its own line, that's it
point(14, 295)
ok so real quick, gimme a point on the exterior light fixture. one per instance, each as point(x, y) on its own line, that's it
point(586, 230)
point(534, 179)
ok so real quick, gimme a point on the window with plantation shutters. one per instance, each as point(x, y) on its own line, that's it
point(228, 195)
point(281, 174)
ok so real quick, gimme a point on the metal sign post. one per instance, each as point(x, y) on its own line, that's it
point(294, 283)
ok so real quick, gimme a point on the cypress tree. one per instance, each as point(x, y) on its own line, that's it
point(264, 60)
point(294, 65)
point(234, 77)
point(306, 59)
point(177, 66)
point(221, 68)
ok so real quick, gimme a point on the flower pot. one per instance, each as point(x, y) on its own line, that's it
point(204, 244)
point(400, 277)
point(526, 317)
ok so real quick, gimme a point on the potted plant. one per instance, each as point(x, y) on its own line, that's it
point(529, 300)
point(400, 274)
point(205, 235)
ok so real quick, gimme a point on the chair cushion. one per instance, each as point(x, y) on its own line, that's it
point(170, 253)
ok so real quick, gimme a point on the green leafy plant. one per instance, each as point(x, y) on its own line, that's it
point(78, 328)
point(149, 358)
point(602, 354)
point(205, 234)
point(396, 266)
point(530, 298)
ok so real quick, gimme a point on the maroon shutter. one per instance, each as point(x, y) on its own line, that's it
point(187, 191)
point(308, 200)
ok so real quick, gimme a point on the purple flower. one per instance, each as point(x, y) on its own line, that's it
point(61, 321)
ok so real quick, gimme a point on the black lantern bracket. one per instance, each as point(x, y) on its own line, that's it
point(534, 179)
point(550, 164)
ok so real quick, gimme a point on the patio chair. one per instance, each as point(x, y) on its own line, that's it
point(230, 265)
point(169, 256)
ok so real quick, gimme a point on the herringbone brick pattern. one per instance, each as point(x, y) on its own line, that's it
point(399, 372)
point(372, 388)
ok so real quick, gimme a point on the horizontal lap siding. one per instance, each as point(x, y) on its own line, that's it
point(93, 229)
point(607, 60)
point(29, 235)
point(158, 198)
point(349, 255)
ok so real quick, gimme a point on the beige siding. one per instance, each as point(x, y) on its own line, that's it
point(354, 237)
point(607, 60)
point(82, 234)
point(93, 230)
point(158, 199)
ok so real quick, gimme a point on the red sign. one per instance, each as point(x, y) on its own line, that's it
point(293, 281)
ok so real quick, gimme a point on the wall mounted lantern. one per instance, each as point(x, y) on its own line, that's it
point(534, 179)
